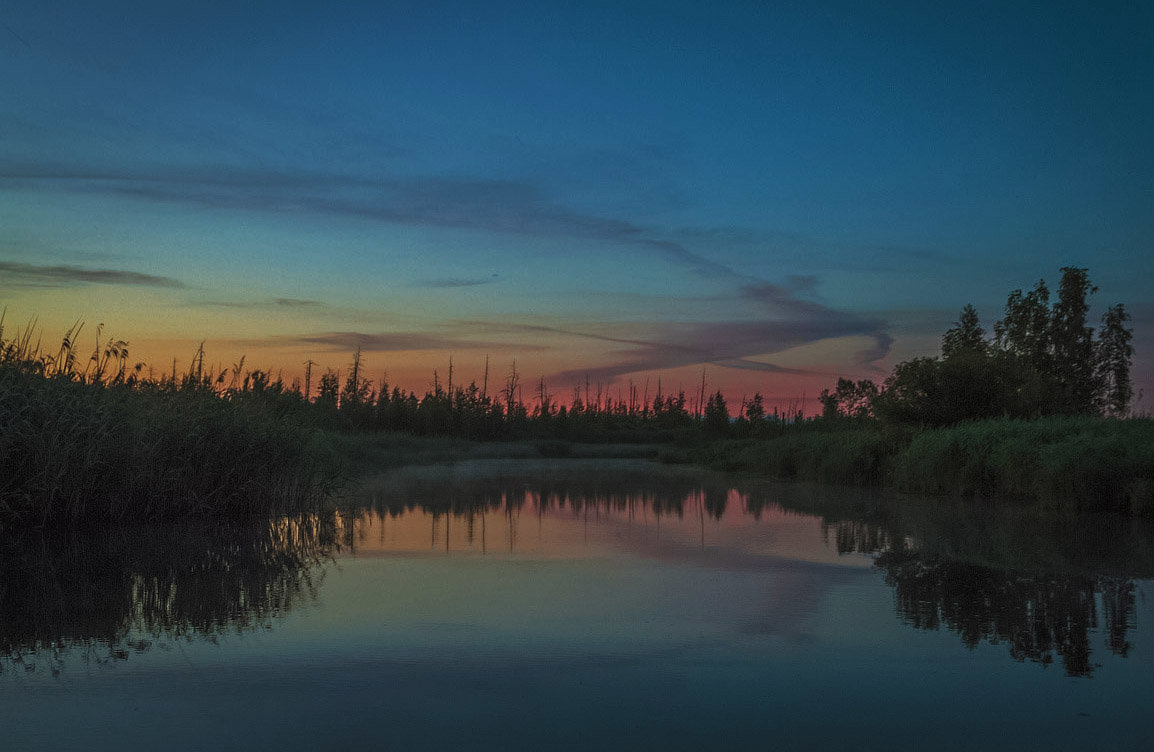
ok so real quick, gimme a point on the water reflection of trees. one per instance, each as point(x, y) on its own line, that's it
point(104, 595)
point(1037, 616)
point(1041, 586)
point(613, 490)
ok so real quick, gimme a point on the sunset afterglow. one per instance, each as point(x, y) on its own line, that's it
point(776, 196)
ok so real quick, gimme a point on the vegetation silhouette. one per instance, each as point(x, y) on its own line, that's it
point(1042, 360)
point(102, 440)
point(1039, 585)
point(1033, 412)
point(1037, 616)
point(105, 439)
point(1036, 412)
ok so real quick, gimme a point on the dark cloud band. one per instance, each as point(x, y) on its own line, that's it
point(64, 276)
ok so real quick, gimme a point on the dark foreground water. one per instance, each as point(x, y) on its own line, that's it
point(583, 605)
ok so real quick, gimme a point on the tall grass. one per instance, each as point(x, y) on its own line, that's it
point(1073, 464)
point(849, 457)
point(1078, 463)
point(104, 443)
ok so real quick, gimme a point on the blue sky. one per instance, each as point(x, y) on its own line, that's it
point(780, 193)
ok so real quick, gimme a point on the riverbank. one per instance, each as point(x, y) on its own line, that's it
point(366, 453)
point(74, 450)
point(1077, 464)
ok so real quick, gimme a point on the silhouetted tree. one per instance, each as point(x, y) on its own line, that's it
point(1072, 345)
point(356, 397)
point(849, 399)
point(1025, 331)
point(755, 409)
point(716, 415)
point(1042, 361)
point(329, 392)
point(966, 336)
point(912, 394)
point(1112, 361)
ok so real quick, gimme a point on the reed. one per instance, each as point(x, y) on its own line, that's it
point(848, 457)
point(1063, 463)
point(1074, 463)
point(104, 442)
point(99, 437)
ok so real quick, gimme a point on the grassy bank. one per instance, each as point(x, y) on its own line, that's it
point(75, 449)
point(850, 457)
point(98, 439)
point(1080, 463)
point(368, 453)
point(1067, 463)
point(71, 450)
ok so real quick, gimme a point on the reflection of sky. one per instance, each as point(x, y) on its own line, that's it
point(532, 651)
point(684, 631)
point(622, 190)
point(735, 541)
point(588, 579)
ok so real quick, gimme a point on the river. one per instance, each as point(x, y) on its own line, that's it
point(574, 604)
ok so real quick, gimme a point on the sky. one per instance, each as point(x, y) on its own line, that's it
point(774, 194)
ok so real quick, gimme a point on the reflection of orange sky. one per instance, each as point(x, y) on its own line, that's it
point(737, 540)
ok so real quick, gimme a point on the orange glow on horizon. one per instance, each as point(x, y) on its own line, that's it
point(165, 352)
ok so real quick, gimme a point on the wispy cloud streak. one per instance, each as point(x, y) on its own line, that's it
point(454, 282)
point(64, 276)
point(274, 303)
point(787, 315)
point(390, 342)
point(297, 303)
point(728, 344)
point(503, 206)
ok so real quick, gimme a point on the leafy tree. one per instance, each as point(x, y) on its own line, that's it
point(966, 336)
point(1025, 331)
point(356, 398)
point(716, 415)
point(1112, 361)
point(329, 390)
point(1043, 360)
point(755, 409)
point(849, 399)
point(967, 386)
point(1072, 345)
point(670, 412)
point(912, 394)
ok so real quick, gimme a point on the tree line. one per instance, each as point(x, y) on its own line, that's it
point(1043, 359)
point(472, 411)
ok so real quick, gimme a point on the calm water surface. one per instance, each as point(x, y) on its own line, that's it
point(574, 604)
